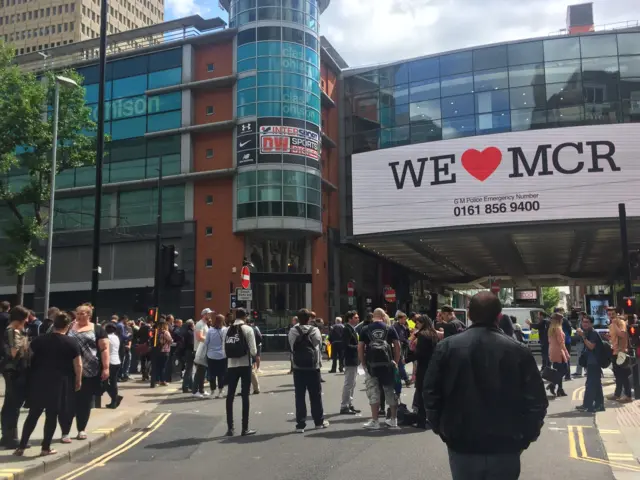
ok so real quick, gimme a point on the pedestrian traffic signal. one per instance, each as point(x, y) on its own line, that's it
point(255, 315)
point(629, 305)
point(152, 314)
point(634, 336)
point(170, 273)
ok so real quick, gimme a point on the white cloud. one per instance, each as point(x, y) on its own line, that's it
point(377, 31)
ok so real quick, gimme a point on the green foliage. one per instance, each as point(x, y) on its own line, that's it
point(550, 298)
point(25, 148)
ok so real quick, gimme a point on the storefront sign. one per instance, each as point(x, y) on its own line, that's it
point(553, 174)
point(127, 108)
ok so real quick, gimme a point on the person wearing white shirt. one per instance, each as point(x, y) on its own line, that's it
point(114, 365)
point(199, 336)
point(240, 346)
point(216, 357)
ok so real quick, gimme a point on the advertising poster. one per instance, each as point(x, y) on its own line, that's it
point(538, 175)
point(288, 141)
point(246, 144)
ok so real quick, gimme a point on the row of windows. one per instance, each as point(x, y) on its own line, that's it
point(39, 32)
point(137, 127)
point(495, 122)
point(278, 64)
point(134, 86)
point(557, 49)
point(287, 178)
point(275, 13)
point(274, 194)
point(43, 12)
point(35, 48)
point(128, 67)
point(277, 79)
point(278, 49)
point(138, 207)
point(283, 109)
point(138, 106)
point(307, 6)
point(279, 209)
point(286, 34)
point(277, 94)
point(125, 160)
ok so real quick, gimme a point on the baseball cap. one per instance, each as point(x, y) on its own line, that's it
point(206, 311)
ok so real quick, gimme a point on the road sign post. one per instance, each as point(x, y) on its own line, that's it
point(245, 278)
point(243, 295)
point(233, 301)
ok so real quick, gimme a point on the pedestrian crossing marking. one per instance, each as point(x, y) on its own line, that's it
point(612, 432)
point(578, 451)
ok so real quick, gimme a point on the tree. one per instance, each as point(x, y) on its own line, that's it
point(26, 144)
point(550, 298)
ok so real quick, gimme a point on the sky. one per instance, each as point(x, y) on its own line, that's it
point(368, 32)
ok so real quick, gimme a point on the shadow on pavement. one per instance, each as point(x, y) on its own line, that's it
point(571, 414)
point(361, 432)
point(254, 438)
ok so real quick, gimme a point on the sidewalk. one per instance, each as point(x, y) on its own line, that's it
point(138, 401)
point(619, 428)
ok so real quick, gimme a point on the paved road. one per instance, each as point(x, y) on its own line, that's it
point(184, 438)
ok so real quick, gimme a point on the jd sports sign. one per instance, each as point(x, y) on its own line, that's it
point(554, 174)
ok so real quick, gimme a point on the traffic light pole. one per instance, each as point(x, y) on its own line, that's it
point(157, 277)
point(626, 270)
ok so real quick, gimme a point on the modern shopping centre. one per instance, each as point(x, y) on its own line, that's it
point(505, 161)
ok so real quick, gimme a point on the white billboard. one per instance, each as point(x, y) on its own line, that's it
point(536, 175)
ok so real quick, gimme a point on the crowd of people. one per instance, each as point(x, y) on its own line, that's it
point(74, 360)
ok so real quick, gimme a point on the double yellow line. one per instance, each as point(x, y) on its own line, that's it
point(578, 394)
point(129, 444)
point(578, 451)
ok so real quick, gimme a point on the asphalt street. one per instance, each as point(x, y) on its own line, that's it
point(184, 438)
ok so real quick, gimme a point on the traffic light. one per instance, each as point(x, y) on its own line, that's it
point(634, 336)
point(152, 314)
point(255, 315)
point(170, 273)
point(629, 305)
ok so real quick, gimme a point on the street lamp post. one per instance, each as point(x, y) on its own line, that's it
point(67, 82)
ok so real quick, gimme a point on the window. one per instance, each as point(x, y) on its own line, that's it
point(208, 231)
point(457, 106)
point(456, 85)
point(528, 119)
point(561, 49)
point(210, 67)
point(528, 97)
point(165, 78)
point(490, 80)
point(208, 263)
point(455, 63)
point(208, 295)
point(526, 75)
point(628, 43)
point(424, 69)
point(209, 110)
point(209, 200)
point(491, 57)
point(598, 46)
point(209, 153)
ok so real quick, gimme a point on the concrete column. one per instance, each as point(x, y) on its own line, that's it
point(188, 202)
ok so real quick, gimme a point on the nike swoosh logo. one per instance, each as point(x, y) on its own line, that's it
point(242, 144)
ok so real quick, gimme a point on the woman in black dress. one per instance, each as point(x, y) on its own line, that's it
point(54, 377)
point(426, 338)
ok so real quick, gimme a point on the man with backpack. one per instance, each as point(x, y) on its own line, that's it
point(379, 354)
point(596, 356)
point(337, 345)
point(239, 347)
point(305, 341)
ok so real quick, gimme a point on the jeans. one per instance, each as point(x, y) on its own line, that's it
point(159, 366)
point(561, 368)
point(30, 425)
point(14, 396)
point(593, 395)
point(187, 377)
point(468, 466)
point(303, 381)
point(112, 386)
point(544, 352)
point(242, 374)
point(350, 375)
point(126, 363)
point(623, 379)
point(198, 379)
point(217, 371)
point(337, 356)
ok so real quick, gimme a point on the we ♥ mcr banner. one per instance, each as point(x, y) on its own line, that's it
point(536, 175)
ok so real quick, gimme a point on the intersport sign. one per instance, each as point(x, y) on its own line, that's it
point(537, 175)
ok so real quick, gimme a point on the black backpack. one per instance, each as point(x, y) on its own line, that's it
point(304, 353)
point(379, 357)
point(605, 354)
point(235, 345)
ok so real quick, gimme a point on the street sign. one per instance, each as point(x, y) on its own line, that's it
point(233, 301)
point(244, 295)
point(389, 295)
point(351, 288)
point(245, 277)
point(351, 301)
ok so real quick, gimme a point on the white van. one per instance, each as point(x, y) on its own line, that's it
point(531, 336)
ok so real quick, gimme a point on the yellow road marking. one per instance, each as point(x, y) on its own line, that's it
point(612, 432)
point(578, 394)
point(104, 430)
point(103, 459)
point(577, 431)
point(10, 473)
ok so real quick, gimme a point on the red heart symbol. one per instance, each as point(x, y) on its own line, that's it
point(481, 165)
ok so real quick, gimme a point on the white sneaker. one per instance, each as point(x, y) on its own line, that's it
point(372, 425)
point(198, 395)
point(207, 394)
point(325, 424)
point(299, 430)
point(220, 393)
point(391, 422)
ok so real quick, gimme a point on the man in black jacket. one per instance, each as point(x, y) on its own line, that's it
point(543, 330)
point(337, 345)
point(484, 396)
point(350, 343)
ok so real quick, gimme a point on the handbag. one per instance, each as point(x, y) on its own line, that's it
point(551, 375)
point(201, 355)
point(623, 360)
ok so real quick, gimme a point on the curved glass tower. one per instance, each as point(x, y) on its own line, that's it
point(278, 138)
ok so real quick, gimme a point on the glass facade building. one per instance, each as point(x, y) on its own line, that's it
point(555, 82)
point(278, 97)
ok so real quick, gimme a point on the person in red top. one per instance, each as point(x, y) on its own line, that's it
point(558, 354)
